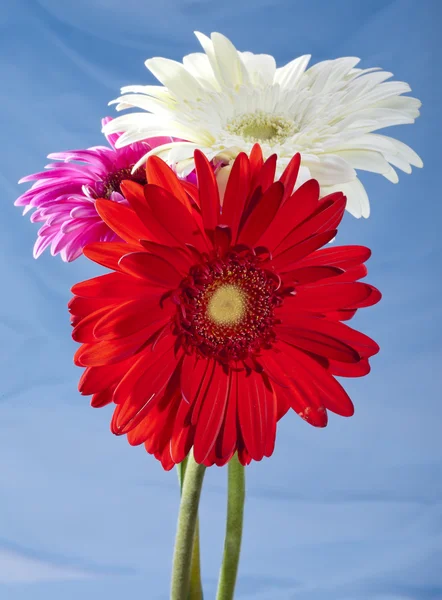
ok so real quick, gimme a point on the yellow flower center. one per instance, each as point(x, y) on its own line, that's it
point(262, 127)
point(227, 305)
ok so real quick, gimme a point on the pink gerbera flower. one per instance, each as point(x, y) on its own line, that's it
point(64, 195)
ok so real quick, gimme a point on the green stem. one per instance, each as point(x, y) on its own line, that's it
point(187, 521)
point(196, 590)
point(232, 544)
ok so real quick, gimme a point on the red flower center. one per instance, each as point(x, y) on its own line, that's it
point(226, 307)
point(113, 180)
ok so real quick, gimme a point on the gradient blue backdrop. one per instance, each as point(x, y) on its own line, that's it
point(352, 512)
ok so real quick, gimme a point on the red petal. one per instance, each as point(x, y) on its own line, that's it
point(207, 191)
point(326, 218)
point(183, 434)
point(305, 275)
point(343, 257)
point(143, 385)
point(253, 399)
point(222, 238)
point(265, 176)
point(201, 390)
point(191, 190)
point(156, 429)
point(228, 435)
point(290, 175)
point(108, 254)
point(130, 317)
point(317, 343)
point(111, 285)
point(323, 297)
point(193, 372)
point(160, 174)
point(282, 405)
point(244, 457)
point(350, 274)
point(373, 298)
point(102, 398)
point(178, 257)
point(97, 379)
point(211, 414)
point(146, 430)
point(183, 224)
point(237, 191)
point(256, 163)
point(292, 213)
point(271, 417)
point(341, 315)
point(361, 343)
point(111, 351)
point(262, 215)
point(84, 331)
point(153, 268)
point(122, 220)
point(288, 260)
point(166, 459)
point(331, 393)
point(81, 307)
point(134, 194)
point(294, 389)
point(358, 369)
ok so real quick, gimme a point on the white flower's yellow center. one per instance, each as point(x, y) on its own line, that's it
point(260, 127)
point(227, 305)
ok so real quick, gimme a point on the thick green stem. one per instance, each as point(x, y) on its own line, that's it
point(187, 521)
point(232, 544)
point(196, 590)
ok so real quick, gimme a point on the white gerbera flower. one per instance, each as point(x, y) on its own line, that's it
point(224, 101)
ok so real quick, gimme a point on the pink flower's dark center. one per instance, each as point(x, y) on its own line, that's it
point(113, 180)
point(226, 307)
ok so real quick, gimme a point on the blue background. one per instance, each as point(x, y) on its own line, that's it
point(352, 512)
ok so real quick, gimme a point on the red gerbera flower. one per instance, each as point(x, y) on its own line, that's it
point(218, 318)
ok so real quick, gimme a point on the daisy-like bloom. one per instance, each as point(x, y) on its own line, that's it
point(224, 101)
point(215, 320)
point(64, 195)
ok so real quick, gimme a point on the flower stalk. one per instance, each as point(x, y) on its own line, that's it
point(234, 527)
point(186, 530)
point(196, 590)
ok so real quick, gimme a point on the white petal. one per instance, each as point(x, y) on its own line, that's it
point(185, 167)
point(138, 101)
point(367, 160)
point(156, 91)
point(207, 45)
point(358, 204)
point(260, 67)
point(391, 175)
point(387, 90)
point(198, 65)
point(289, 75)
point(179, 151)
point(231, 69)
point(405, 104)
point(331, 169)
point(328, 78)
point(222, 178)
point(140, 126)
point(334, 106)
point(304, 175)
point(384, 117)
point(174, 76)
point(404, 151)
point(398, 162)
